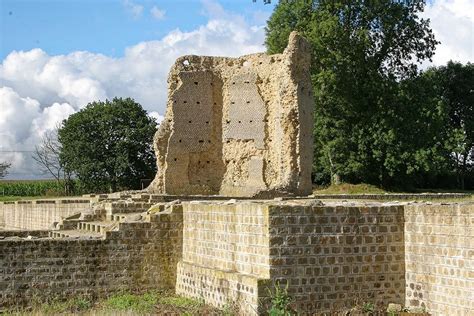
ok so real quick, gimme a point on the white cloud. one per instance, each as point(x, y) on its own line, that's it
point(157, 116)
point(22, 124)
point(39, 90)
point(452, 22)
point(157, 14)
point(135, 9)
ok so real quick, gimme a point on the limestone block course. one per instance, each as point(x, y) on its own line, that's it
point(137, 257)
point(439, 258)
point(330, 256)
point(38, 214)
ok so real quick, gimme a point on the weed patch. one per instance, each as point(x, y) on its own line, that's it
point(144, 303)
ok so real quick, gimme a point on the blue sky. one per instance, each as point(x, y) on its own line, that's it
point(57, 56)
point(104, 26)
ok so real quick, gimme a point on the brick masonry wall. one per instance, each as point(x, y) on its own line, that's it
point(331, 257)
point(440, 258)
point(335, 257)
point(23, 233)
point(140, 256)
point(227, 237)
point(225, 253)
point(2, 217)
point(38, 214)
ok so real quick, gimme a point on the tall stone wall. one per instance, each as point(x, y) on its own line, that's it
point(440, 258)
point(238, 126)
point(38, 214)
point(138, 257)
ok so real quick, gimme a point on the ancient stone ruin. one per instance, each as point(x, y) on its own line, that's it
point(238, 126)
point(241, 127)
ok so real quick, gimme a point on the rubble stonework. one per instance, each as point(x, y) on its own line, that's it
point(238, 126)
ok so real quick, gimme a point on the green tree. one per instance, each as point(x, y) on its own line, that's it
point(108, 145)
point(360, 52)
point(455, 87)
point(421, 131)
point(4, 169)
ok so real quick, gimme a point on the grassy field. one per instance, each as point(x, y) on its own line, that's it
point(347, 188)
point(166, 303)
point(150, 303)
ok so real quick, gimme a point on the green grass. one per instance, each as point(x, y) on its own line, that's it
point(180, 302)
point(140, 304)
point(78, 304)
point(347, 188)
point(156, 303)
point(54, 307)
point(125, 303)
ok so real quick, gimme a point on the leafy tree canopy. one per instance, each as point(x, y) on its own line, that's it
point(453, 85)
point(361, 50)
point(108, 145)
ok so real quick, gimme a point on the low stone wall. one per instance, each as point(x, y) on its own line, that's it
point(333, 258)
point(439, 258)
point(225, 253)
point(38, 214)
point(138, 257)
point(330, 257)
point(24, 234)
point(2, 217)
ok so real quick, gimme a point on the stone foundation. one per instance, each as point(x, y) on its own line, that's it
point(139, 256)
point(439, 258)
point(38, 214)
point(331, 257)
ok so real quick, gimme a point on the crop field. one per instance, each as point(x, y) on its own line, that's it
point(31, 188)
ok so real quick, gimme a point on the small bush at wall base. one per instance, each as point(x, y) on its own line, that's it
point(368, 307)
point(280, 302)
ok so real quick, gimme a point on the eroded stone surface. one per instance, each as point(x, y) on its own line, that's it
point(238, 126)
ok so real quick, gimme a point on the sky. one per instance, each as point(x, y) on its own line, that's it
point(58, 55)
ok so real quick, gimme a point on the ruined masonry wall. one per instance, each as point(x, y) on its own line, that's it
point(38, 215)
point(227, 237)
point(439, 258)
point(225, 253)
point(238, 126)
point(139, 257)
point(330, 257)
point(2, 217)
point(333, 258)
